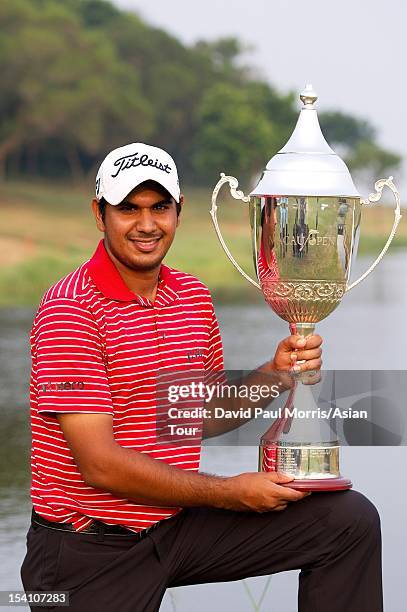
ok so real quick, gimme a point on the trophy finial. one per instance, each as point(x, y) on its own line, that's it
point(306, 164)
point(308, 96)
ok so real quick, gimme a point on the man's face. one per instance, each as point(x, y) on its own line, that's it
point(140, 230)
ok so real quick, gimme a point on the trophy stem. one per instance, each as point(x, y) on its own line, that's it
point(303, 329)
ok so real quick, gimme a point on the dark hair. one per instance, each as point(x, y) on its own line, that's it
point(102, 208)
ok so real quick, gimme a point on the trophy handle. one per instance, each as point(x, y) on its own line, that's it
point(238, 195)
point(375, 197)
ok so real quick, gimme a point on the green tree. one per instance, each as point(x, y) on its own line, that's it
point(82, 76)
point(371, 162)
point(224, 56)
point(62, 83)
point(94, 13)
point(347, 130)
point(357, 139)
point(173, 78)
point(235, 135)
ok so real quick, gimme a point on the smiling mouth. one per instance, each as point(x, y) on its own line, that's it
point(145, 245)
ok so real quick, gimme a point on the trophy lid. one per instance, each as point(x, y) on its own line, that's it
point(306, 165)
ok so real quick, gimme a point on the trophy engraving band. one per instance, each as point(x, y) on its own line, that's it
point(317, 460)
point(305, 300)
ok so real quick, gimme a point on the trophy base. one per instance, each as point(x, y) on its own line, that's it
point(314, 466)
point(319, 484)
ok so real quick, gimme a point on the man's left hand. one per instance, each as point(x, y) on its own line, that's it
point(295, 349)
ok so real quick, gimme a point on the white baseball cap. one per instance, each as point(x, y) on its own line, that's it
point(128, 166)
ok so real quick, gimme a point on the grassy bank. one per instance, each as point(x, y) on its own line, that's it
point(47, 230)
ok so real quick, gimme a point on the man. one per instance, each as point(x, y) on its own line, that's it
point(118, 516)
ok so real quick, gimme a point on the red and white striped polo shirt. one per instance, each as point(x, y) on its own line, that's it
point(96, 347)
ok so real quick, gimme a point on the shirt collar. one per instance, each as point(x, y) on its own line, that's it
point(107, 279)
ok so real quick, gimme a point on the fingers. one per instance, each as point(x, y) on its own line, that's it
point(280, 507)
point(278, 477)
point(310, 355)
point(300, 342)
point(286, 494)
point(308, 366)
point(307, 355)
point(291, 343)
point(313, 341)
point(294, 349)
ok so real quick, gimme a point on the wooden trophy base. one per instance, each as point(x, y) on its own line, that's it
point(320, 484)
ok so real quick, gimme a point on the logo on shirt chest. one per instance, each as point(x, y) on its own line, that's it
point(195, 354)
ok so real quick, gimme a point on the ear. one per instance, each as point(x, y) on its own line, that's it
point(181, 203)
point(96, 211)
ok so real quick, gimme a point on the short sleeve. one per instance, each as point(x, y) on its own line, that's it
point(68, 367)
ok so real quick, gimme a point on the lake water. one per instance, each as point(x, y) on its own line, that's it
point(366, 332)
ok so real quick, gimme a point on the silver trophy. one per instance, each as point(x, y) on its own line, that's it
point(305, 219)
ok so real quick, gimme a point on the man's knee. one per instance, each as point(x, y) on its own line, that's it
point(352, 510)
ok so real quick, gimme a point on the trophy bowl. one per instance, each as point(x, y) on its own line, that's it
point(303, 248)
point(305, 215)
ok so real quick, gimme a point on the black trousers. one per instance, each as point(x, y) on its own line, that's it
point(333, 538)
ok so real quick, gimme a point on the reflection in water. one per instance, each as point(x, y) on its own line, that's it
point(14, 404)
point(14, 442)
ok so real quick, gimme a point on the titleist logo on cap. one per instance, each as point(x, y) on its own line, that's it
point(134, 160)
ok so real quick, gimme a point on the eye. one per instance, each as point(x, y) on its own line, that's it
point(161, 206)
point(126, 208)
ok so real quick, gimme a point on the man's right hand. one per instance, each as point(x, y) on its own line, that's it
point(259, 492)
